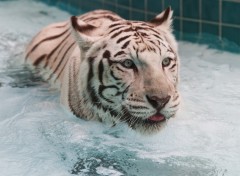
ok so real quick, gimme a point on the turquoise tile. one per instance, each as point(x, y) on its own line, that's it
point(176, 25)
point(124, 13)
point(150, 16)
point(231, 33)
point(51, 2)
point(138, 4)
point(210, 10)
point(154, 6)
point(124, 2)
point(138, 16)
point(62, 5)
point(191, 8)
point(175, 5)
point(190, 27)
point(110, 7)
point(210, 28)
point(231, 12)
point(177, 35)
point(84, 5)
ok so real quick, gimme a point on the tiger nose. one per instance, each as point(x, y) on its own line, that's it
point(157, 102)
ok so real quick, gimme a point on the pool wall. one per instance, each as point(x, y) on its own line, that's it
point(204, 21)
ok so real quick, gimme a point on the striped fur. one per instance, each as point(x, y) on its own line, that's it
point(112, 69)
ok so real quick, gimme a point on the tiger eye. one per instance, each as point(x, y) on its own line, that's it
point(166, 62)
point(128, 63)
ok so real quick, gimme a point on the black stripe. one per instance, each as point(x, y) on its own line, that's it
point(174, 106)
point(115, 29)
point(143, 34)
point(111, 111)
point(173, 66)
point(100, 72)
point(90, 73)
point(102, 88)
point(160, 51)
point(126, 44)
point(119, 53)
point(111, 17)
point(116, 34)
point(55, 49)
point(119, 69)
point(60, 62)
point(138, 107)
point(93, 97)
point(64, 65)
point(104, 46)
point(137, 51)
point(106, 54)
point(39, 59)
point(152, 42)
point(157, 36)
point(153, 30)
point(175, 98)
point(116, 24)
point(123, 38)
point(111, 73)
point(60, 50)
point(122, 31)
point(40, 33)
point(44, 40)
point(65, 54)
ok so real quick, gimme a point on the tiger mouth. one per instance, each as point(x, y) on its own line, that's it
point(156, 118)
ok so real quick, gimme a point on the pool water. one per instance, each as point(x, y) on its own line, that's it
point(38, 137)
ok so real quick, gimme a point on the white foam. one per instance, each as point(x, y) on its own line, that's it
point(38, 137)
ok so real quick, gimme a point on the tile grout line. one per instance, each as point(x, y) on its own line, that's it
point(200, 18)
point(116, 5)
point(130, 9)
point(220, 20)
point(181, 19)
point(145, 9)
point(232, 1)
point(103, 3)
point(208, 22)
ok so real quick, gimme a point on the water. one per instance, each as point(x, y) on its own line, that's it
point(38, 137)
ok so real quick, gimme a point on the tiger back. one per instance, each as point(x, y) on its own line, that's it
point(54, 45)
point(112, 69)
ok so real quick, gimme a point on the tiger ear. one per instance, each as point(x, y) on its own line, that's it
point(163, 20)
point(83, 33)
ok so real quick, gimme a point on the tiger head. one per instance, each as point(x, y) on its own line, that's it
point(129, 71)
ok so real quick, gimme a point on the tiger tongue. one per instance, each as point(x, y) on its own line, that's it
point(157, 118)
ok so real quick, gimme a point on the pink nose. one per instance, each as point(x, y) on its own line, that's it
point(158, 102)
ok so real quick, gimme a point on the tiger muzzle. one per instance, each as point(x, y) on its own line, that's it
point(158, 102)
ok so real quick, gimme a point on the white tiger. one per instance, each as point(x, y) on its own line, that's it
point(112, 69)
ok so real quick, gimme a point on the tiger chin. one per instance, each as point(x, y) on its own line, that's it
point(111, 69)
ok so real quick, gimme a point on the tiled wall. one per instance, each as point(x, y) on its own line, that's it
point(218, 17)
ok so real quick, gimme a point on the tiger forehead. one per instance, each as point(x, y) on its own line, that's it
point(131, 23)
point(135, 27)
point(140, 32)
